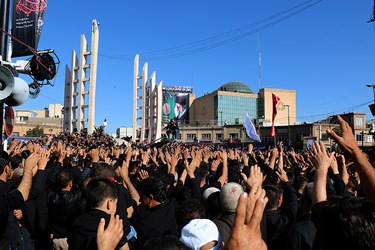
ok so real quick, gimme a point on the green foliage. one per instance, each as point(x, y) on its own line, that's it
point(338, 131)
point(35, 132)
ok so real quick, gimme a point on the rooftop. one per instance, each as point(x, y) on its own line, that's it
point(235, 87)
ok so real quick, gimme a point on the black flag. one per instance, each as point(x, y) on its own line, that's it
point(27, 23)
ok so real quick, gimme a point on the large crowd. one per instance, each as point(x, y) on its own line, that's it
point(81, 191)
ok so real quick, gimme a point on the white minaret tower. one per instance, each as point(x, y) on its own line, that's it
point(80, 85)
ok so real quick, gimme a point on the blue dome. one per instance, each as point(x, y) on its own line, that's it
point(236, 87)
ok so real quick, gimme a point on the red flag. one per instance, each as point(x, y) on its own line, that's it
point(275, 100)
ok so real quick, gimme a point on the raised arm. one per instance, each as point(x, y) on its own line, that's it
point(26, 182)
point(348, 144)
point(321, 161)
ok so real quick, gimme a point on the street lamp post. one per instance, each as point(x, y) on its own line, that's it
point(372, 106)
point(373, 88)
point(289, 142)
point(221, 117)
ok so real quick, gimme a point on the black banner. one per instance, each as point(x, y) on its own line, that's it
point(27, 23)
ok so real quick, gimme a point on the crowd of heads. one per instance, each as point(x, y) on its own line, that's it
point(174, 195)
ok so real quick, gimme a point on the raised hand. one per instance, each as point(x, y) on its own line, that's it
point(43, 160)
point(347, 141)
point(107, 239)
point(246, 232)
point(255, 178)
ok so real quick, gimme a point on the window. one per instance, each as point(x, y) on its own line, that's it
point(219, 137)
point(233, 135)
point(369, 139)
point(359, 121)
point(190, 136)
point(24, 118)
point(206, 137)
point(358, 137)
point(324, 137)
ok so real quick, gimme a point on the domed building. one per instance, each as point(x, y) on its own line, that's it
point(225, 106)
point(236, 87)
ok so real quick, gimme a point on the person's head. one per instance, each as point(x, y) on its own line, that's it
point(352, 186)
point(201, 234)
point(25, 154)
point(306, 198)
point(16, 161)
point(102, 170)
point(152, 191)
point(5, 168)
point(211, 199)
point(274, 194)
point(189, 210)
point(347, 223)
point(234, 171)
point(64, 179)
point(101, 193)
point(229, 195)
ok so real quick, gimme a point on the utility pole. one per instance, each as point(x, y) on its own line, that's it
point(4, 15)
point(221, 117)
point(372, 106)
point(289, 142)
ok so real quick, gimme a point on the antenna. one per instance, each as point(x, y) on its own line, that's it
point(259, 63)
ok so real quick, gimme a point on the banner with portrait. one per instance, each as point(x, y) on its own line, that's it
point(175, 105)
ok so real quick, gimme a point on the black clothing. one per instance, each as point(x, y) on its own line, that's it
point(123, 202)
point(63, 207)
point(8, 202)
point(278, 220)
point(35, 210)
point(157, 221)
point(225, 224)
point(82, 234)
point(300, 235)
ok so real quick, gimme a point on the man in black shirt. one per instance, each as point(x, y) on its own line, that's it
point(101, 202)
point(156, 215)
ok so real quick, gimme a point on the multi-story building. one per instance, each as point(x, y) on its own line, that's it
point(50, 119)
point(225, 106)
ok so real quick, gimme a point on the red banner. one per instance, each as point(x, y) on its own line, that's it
point(27, 23)
point(275, 100)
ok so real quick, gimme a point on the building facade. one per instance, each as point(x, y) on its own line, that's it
point(49, 119)
point(225, 106)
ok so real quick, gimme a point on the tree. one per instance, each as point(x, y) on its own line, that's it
point(337, 130)
point(35, 132)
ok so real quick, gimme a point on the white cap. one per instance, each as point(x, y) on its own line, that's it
point(199, 232)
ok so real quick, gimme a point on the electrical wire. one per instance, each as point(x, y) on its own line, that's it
point(216, 41)
point(336, 111)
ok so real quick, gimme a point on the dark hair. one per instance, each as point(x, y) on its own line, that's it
point(213, 205)
point(189, 210)
point(15, 161)
point(347, 223)
point(273, 193)
point(154, 186)
point(25, 153)
point(102, 170)
point(98, 190)
point(234, 171)
point(63, 177)
point(4, 160)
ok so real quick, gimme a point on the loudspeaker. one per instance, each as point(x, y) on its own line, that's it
point(19, 94)
point(6, 82)
point(372, 108)
point(13, 90)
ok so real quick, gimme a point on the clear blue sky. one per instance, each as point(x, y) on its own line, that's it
point(325, 52)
